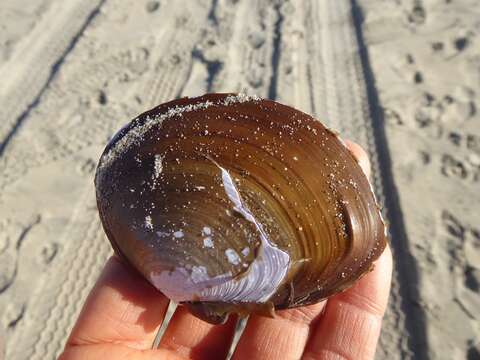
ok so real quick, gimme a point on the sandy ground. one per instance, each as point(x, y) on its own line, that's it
point(425, 58)
point(400, 77)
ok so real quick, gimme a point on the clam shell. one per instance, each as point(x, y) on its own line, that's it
point(229, 203)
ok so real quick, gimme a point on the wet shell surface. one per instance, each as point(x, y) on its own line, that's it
point(229, 203)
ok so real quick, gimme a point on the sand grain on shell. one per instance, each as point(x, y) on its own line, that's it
point(135, 135)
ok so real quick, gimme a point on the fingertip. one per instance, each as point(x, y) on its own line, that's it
point(371, 292)
point(350, 326)
point(361, 155)
point(387, 261)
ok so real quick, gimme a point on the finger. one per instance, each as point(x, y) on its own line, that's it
point(122, 308)
point(115, 351)
point(190, 337)
point(360, 155)
point(350, 325)
point(283, 337)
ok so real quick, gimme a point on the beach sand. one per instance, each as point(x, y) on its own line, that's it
point(402, 78)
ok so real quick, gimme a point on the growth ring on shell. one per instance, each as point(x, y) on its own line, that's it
point(229, 203)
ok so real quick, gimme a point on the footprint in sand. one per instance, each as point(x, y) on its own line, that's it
point(48, 253)
point(4, 241)
point(392, 117)
point(456, 110)
point(256, 39)
point(417, 15)
point(461, 247)
point(255, 78)
point(87, 167)
point(12, 236)
point(455, 138)
point(473, 350)
point(453, 226)
point(438, 46)
point(468, 142)
point(461, 43)
point(428, 115)
point(8, 253)
point(453, 167)
point(4, 235)
point(102, 97)
point(472, 278)
point(152, 6)
point(12, 314)
point(472, 253)
point(3, 342)
point(473, 143)
point(8, 269)
point(467, 251)
point(418, 77)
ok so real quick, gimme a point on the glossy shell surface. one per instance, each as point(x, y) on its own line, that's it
point(229, 203)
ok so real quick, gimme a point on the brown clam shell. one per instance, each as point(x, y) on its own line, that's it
point(229, 203)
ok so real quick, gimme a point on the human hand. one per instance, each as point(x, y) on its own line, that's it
point(124, 312)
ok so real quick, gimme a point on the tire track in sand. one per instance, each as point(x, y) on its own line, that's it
point(333, 82)
point(406, 270)
point(94, 96)
point(23, 88)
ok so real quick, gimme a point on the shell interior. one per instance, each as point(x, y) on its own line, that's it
point(230, 203)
